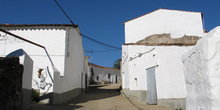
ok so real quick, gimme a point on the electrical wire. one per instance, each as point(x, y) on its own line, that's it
point(64, 12)
point(101, 43)
point(85, 36)
point(90, 51)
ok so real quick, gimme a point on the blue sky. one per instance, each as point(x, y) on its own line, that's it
point(100, 19)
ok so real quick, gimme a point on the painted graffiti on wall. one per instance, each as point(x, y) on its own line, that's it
point(46, 80)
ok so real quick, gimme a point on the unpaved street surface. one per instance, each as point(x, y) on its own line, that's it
point(100, 97)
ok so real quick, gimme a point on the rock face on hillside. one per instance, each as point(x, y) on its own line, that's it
point(165, 39)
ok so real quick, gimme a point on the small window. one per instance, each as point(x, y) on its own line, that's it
point(136, 83)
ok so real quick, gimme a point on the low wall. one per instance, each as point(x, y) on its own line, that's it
point(176, 103)
point(26, 100)
point(139, 95)
point(59, 98)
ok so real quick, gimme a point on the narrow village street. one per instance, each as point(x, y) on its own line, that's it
point(100, 97)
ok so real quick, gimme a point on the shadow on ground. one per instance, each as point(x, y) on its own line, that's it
point(53, 107)
point(95, 92)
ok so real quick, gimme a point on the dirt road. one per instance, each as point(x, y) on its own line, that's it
point(105, 97)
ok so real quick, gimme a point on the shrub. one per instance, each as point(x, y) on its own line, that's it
point(35, 96)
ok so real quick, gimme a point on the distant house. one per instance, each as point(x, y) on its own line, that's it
point(152, 69)
point(64, 75)
point(101, 74)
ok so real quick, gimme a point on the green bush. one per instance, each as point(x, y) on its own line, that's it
point(35, 96)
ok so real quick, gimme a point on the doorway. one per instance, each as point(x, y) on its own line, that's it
point(116, 79)
point(151, 87)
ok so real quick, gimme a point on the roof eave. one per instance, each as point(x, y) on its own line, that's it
point(37, 25)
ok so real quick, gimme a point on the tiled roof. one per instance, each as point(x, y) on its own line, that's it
point(162, 44)
point(103, 66)
point(34, 25)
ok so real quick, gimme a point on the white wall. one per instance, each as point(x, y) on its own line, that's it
point(201, 70)
point(27, 63)
point(102, 73)
point(124, 67)
point(50, 38)
point(169, 73)
point(64, 45)
point(177, 23)
point(73, 64)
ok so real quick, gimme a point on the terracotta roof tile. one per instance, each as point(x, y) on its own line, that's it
point(102, 66)
point(162, 44)
point(34, 25)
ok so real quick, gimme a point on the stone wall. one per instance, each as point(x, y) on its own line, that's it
point(165, 39)
point(10, 83)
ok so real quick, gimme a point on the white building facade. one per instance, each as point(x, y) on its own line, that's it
point(105, 74)
point(55, 77)
point(152, 70)
point(174, 22)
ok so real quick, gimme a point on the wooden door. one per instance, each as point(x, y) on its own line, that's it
point(151, 87)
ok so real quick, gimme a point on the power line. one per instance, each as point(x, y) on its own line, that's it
point(64, 12)
point(87, 37)
point(90, 51)
point(101, 42)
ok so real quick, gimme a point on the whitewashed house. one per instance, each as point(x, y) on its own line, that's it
point(104, 74)
point(201, 70)
point(152, 69)
point(63, 76)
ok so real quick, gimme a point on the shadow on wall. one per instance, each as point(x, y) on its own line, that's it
point(48, 97)
point(45, 85)
point(36, 98)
